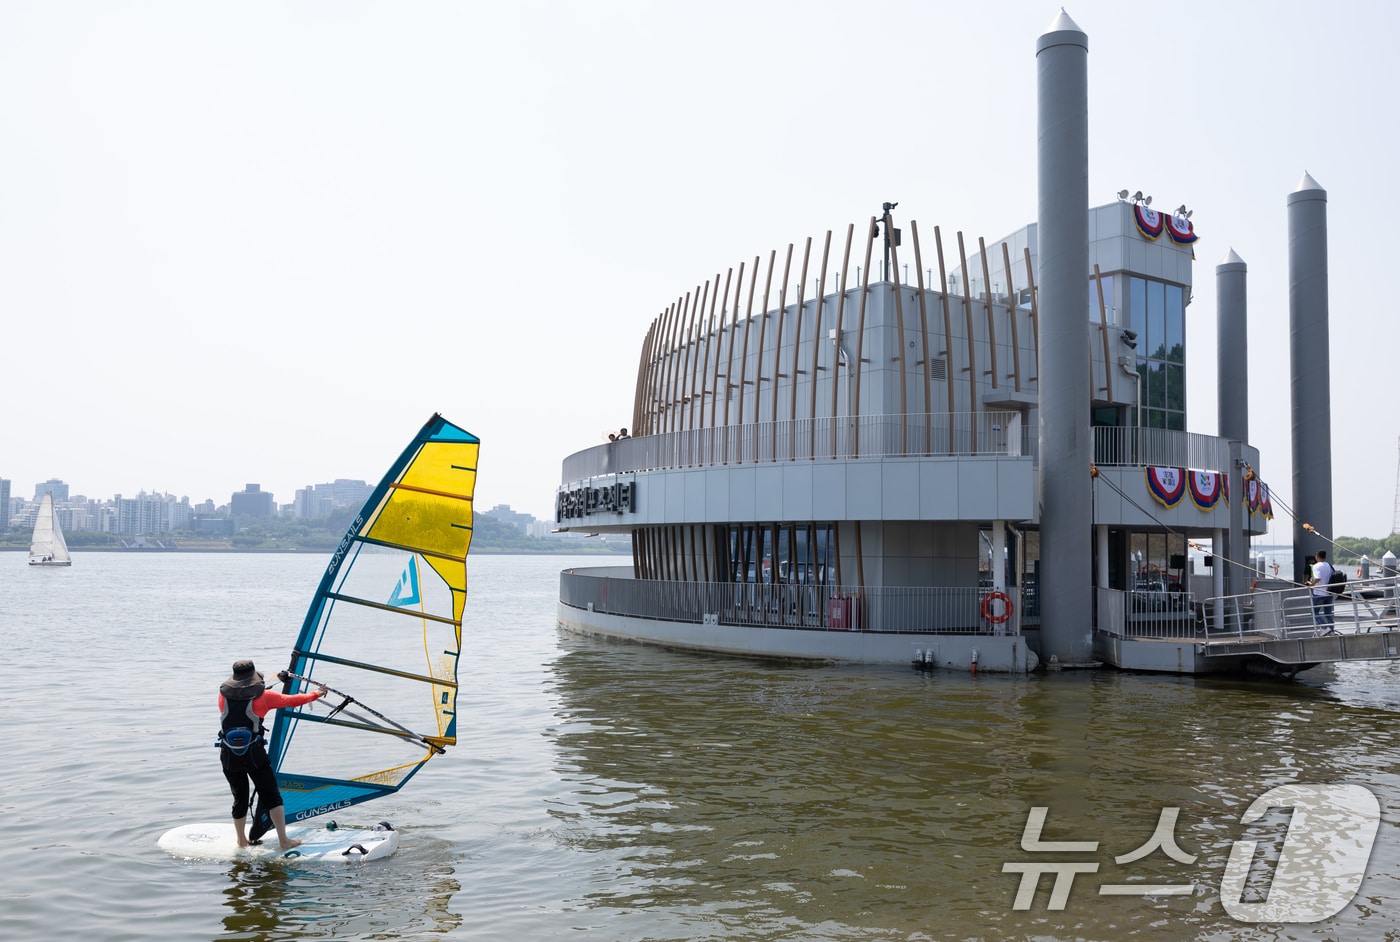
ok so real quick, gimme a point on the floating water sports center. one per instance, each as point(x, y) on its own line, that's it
point(969, 468)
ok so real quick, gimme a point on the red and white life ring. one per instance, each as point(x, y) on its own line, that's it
point(993, 617)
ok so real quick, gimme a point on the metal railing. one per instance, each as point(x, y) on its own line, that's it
point(926, 610)
point(846, 437)
point(1149, 614)
point(956, 434)
point(1268, 614)
point(1365, 606)
point(1159, 447)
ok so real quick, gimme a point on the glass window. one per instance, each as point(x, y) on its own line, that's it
point(1156, 385)
point(1175, 386)
point(1156, 320)
point(1105, 416)
point(1175, 324)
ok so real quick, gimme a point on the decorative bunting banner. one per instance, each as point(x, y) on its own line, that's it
point(1206, 488)
point(1149, 221)
point(1180, 230)
point(1168, 485)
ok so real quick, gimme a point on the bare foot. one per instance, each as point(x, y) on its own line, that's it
point(243, 842)
point(290, 842)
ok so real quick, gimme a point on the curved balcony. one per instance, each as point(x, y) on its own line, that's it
point(863, 437)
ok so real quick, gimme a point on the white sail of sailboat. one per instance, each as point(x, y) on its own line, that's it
point(48, 548)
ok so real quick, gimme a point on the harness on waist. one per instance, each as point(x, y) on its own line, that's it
point(237, 741)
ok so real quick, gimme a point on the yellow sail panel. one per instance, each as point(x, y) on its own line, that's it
point(444, 467)
point(423, 522)
point(430, 506)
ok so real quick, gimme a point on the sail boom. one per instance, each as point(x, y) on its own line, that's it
point(434, 742)
point(378, 669)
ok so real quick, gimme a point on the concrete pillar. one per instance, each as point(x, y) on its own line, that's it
point(1310, 381)
point(999, 555)
point(1232, 336)
point(1217, 583)
point(1232, 391)
point(1066, 441)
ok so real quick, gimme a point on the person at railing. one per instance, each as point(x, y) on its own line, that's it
point(1322, 600)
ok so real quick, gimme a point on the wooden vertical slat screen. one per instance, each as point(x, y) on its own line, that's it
point(948, 370)
point(900, 357)
point(1012, 309)
point(857, 377)
point(817, 344)
point(991, 322)
point(927, 360)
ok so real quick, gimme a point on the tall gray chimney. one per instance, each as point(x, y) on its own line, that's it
point(1310, 379)
point(1066, 440)
point(1232, 391)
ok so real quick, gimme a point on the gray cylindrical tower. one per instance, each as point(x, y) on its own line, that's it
point(1311, 377)
point(1066, 442)
point(1232, 334)
point(1232, 390)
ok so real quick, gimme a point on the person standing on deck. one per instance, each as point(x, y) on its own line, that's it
point(244, 702)
point(1322, 599)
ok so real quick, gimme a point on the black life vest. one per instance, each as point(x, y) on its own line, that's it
point(239, 727)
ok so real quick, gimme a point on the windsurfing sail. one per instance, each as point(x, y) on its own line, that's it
point(384, 632)
point(48, 547)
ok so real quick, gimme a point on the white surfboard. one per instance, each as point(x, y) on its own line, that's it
point(217, 841)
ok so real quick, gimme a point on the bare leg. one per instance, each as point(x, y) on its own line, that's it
point(240, 829)
point(279, 821)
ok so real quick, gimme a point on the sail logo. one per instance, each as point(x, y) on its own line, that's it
point(406, 591)
point(345, 542)
point(312, 812)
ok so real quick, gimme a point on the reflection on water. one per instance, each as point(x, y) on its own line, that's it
point(270, 900)
point(764, 802)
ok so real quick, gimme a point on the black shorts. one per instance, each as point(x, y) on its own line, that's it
point(254, 766)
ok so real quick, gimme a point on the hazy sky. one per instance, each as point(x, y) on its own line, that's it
point(263, 242)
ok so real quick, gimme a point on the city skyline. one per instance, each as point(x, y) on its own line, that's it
point(360, 491)
point(163, 512)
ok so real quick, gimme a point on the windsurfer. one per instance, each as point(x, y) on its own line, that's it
point(244, 702)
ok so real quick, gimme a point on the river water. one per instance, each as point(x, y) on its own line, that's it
point(610, 791)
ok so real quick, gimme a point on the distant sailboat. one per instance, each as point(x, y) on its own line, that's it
point(48, 547)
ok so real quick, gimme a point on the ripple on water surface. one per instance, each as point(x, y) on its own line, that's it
point(613, 791)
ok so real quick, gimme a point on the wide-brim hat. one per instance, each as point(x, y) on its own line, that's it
point(245, 683)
